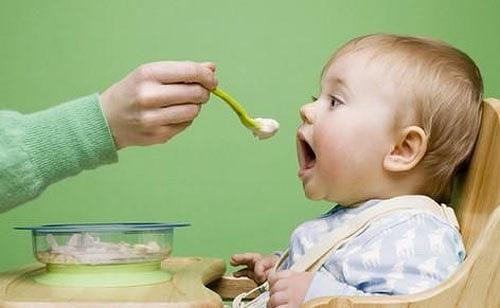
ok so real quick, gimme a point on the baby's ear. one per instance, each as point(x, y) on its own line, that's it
point(408, 151)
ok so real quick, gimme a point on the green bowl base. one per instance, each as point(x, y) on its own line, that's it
point(109, 275)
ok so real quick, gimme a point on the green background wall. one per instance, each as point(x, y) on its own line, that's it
point(239, 193)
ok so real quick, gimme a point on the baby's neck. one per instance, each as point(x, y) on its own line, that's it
point(388, 187)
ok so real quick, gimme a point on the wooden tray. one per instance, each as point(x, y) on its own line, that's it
point(185, 289)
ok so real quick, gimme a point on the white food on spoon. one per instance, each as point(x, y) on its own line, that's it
point(266, 128)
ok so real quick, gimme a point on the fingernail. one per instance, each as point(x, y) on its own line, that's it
point(210, 65)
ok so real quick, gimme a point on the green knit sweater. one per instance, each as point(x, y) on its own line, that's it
point(41, 148)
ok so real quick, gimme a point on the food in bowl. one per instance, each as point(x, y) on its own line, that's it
point(98, 244)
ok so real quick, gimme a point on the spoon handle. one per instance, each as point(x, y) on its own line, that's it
point(237, 108)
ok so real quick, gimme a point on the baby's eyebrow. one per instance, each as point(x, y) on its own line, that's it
point(339, 82)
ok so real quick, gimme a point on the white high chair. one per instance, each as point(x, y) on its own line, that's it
point(477, 205)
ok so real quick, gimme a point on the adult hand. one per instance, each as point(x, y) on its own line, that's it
point(157, 101)
point(257, 266)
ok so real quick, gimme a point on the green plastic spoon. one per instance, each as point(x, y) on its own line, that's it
point(262, 128)
point(240, 111)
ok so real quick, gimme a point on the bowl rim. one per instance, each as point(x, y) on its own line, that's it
point(103, 227)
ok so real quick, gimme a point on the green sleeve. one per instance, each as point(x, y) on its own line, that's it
point(41, 148)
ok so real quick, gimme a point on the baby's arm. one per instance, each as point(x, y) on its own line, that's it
point(324, 284)
point(289, 289)
point(402, 254)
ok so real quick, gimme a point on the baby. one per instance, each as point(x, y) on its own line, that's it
point(396, 116)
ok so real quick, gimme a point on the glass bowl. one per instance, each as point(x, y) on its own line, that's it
point(102, 244)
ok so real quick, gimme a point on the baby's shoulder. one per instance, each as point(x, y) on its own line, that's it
point(412, 219)
point(410, 227)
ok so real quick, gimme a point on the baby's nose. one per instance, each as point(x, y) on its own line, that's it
point(307, 113)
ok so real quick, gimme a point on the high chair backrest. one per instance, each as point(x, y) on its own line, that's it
point(479, 190)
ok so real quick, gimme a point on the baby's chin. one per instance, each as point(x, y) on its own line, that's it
point(316, 195)
point(312, 194)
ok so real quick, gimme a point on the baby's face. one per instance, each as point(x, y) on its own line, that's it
point(347, 131)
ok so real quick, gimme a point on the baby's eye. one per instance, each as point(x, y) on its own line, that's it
point(313, 99)
point(335, 101)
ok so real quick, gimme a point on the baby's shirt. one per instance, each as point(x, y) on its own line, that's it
point(406, 252)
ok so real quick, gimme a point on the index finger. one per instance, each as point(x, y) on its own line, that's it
point(181, 72)
point(262, 267)
point(248, 259)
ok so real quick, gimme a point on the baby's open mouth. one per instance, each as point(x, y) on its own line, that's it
point(307, 157)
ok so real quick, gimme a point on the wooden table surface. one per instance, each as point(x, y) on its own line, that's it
point(187, 288)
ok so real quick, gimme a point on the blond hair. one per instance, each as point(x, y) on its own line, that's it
point(443, 88)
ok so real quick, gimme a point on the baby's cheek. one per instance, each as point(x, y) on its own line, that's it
point(335, 163)
point(346, 161)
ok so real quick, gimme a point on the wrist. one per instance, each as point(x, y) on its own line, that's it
point(105, 104)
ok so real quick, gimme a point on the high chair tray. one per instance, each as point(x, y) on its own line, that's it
point(186, 288)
